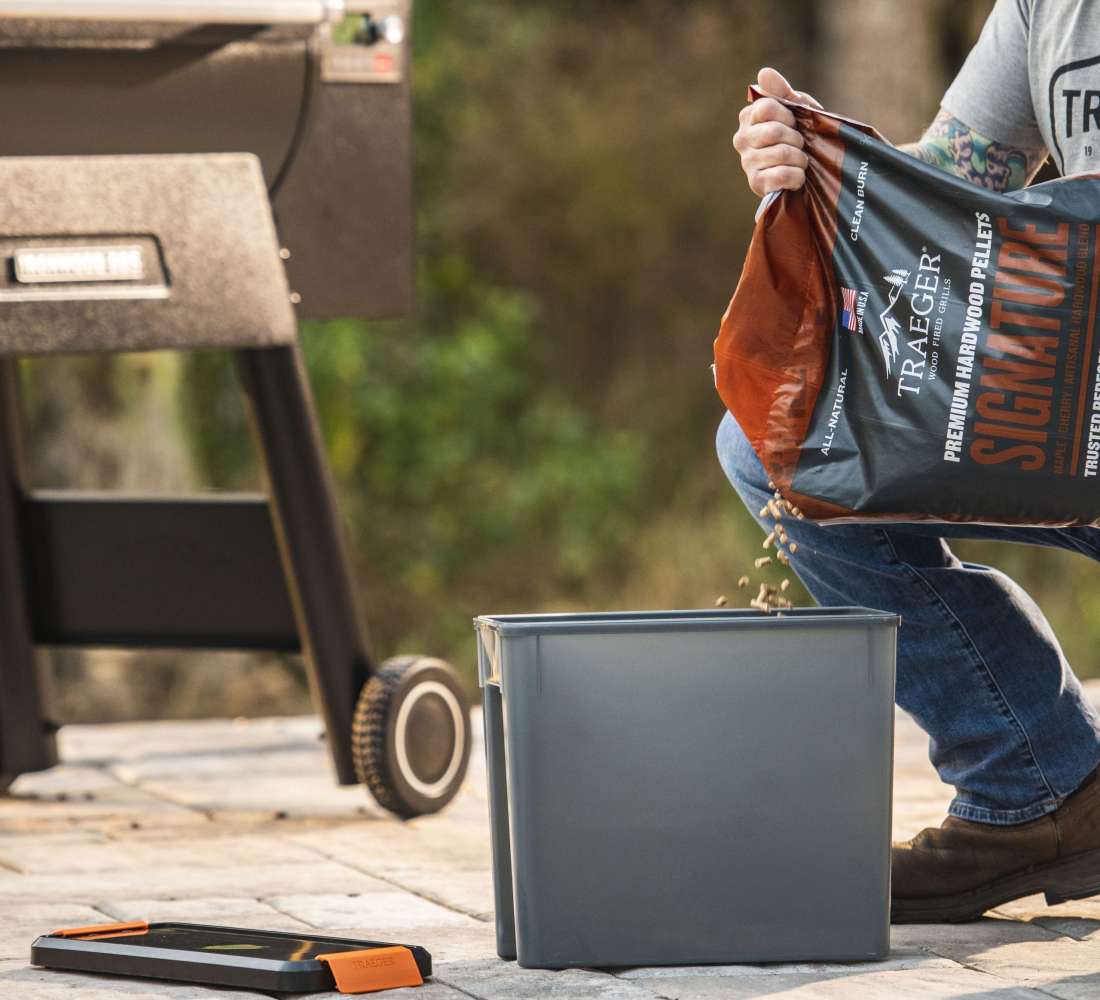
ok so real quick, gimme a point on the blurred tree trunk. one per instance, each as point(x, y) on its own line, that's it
point(888, 63)
point(881, 62)
point(106, 422)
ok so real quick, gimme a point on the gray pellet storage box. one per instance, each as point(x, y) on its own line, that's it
point(690, 787)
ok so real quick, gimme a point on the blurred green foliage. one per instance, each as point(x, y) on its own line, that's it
point(464, 480)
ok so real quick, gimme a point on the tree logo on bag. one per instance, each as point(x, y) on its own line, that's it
point(897, 279)
point(904, 344)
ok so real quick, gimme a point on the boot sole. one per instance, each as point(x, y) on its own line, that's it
point(1075, 877)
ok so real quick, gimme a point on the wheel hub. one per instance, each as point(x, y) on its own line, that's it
point(430, 737)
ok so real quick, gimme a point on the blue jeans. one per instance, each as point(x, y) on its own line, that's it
point(979, 668)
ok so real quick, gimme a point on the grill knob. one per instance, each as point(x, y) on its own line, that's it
point(390, 29)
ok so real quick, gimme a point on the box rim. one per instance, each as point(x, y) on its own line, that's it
point(669, 621)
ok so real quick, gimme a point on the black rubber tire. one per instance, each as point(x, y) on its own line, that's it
point(388, 745)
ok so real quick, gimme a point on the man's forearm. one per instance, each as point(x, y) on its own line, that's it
point(953, 146)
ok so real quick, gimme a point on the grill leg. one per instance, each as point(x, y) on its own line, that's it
point(311, 538)
point(26, 738)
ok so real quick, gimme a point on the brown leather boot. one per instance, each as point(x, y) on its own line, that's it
point(958, 871)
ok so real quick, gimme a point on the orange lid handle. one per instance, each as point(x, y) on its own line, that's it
point(373, 969)
point(104, 930)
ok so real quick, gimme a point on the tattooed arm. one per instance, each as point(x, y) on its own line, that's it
point(953, 146)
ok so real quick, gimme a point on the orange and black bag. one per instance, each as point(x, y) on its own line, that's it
point(906, 345)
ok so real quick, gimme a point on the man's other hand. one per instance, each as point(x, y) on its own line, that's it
point(767, 140)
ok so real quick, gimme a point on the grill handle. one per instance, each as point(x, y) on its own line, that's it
point(178, 11)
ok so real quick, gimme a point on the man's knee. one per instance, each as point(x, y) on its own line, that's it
point(739, 461)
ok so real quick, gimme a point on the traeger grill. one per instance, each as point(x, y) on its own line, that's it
point(195, 174)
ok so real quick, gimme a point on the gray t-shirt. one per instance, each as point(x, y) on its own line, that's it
point(1033, 80)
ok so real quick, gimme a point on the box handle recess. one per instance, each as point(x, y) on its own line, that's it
point(489, 667)
point(373, 969)
point(98, 931)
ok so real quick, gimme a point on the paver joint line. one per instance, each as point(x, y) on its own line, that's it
point(382, 877)
point(1023, 984)
point(458, 989)
point(267, 901)
point(108, 767)
point(1029, 923)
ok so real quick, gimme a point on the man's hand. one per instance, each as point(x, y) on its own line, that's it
point(770, 147)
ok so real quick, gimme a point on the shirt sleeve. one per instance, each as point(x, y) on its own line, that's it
point(992, 93)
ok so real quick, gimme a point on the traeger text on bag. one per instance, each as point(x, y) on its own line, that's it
point(903, 344)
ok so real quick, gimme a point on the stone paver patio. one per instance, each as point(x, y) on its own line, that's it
point(239, 823)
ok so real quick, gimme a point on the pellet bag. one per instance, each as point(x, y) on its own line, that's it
point(906, 345)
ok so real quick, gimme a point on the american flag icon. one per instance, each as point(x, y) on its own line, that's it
point(848, 307)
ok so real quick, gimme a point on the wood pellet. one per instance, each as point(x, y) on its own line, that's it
point(770, 597)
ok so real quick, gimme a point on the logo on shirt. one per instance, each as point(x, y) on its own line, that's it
point(1074, 108)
